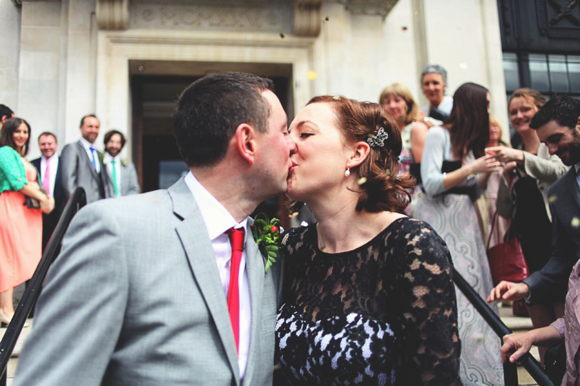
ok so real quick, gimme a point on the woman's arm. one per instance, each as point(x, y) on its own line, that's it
point(46, 202)
point(427, 309)
point(418, 136)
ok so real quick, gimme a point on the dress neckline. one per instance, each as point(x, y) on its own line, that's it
point(314, 239)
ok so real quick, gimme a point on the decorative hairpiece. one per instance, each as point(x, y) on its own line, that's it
point(379, 139)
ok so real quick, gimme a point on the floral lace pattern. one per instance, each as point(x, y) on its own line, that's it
point(395, 291)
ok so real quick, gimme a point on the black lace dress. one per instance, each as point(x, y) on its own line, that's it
point(382, 314)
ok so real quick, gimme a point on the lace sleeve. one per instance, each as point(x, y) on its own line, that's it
point(427, 302)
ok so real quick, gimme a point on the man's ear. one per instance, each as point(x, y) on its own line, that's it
point(245, 142)
point(360, 152)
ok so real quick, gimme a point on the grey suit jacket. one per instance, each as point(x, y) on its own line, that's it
point(129, 181)
point(78, 170)
point(550, 284)
point(135, 298)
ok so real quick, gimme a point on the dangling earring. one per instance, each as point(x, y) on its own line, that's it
point(347, 172)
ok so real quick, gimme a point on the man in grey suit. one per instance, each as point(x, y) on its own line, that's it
point(558, 126)
point(81, 163)
point(141, 294)
point(121, 174)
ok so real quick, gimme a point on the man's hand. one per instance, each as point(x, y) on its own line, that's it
point(516, 345)
point(506, 290)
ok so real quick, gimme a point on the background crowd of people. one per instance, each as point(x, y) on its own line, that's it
point(360, 167)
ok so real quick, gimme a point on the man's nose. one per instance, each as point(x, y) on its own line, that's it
point(291, 144)
point(552, 149)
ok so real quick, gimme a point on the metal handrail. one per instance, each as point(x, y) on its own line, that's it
point(491, 318)
point(76, 201)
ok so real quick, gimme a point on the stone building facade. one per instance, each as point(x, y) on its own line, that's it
point(126, 60)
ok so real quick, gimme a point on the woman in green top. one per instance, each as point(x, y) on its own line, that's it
point(20, 227)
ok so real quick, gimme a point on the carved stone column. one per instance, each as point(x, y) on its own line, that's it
point(113, 14)
point(307, 19)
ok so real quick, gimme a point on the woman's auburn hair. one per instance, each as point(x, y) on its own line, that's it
point(384, 189)
point(399, 89)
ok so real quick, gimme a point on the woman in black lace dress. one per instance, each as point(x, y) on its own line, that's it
point(369, 297)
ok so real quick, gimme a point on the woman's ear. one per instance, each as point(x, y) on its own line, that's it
point(360, 152)
point(245, 142)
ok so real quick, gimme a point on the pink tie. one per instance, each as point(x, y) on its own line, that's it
point(237, 243)
point(46, 179)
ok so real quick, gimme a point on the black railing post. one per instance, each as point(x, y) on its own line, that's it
point(527, 360)
point(510, 373)
point(76, 201)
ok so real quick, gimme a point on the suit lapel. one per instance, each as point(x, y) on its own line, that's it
point(255, 269)
point(572, 185)
point(197, 245)
point(88, 161)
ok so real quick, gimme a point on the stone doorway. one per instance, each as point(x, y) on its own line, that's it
point(155, 87)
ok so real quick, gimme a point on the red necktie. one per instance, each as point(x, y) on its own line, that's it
point(237, 243)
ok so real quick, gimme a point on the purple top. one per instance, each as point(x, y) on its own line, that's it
point(569, 328)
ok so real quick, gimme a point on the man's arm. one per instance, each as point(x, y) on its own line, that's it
point(68, 163)
point(551, 282)
point(80, 311)
point(134, 187)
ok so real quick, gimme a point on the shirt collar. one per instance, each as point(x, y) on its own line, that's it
point(54, 156)
point(108, 158)
point(577, 166)
point(86, 144)
point(216, 217)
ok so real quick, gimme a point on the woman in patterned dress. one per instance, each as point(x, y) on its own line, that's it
point(455, 170)
point(369, 297)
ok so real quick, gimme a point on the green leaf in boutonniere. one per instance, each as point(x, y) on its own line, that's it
point(124, 162)
point(267, 233)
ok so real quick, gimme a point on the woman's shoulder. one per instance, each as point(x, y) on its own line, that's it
point(7, 150)
point(419, 240)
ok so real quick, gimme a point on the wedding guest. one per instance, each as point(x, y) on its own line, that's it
point(369, 297)
point(20, 226)
point(398, 101)
point(531, 170)
point(434, 85)
point(454, 170)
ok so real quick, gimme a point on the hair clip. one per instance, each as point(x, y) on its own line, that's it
point(336, 97)
point(379, 139)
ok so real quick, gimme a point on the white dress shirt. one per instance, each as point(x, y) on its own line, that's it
point(53, 161)
point(87, 145)
point(107, 160)
point(217, 221)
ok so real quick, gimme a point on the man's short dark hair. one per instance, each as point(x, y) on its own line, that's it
point(211, 108)
point(563, 109)
point(48, 133)
point(110, 133)
point(5, 111)
point(87, 116)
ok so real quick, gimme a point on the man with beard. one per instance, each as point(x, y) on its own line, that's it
point(81, 163)
point(121, 174)
point(558, 126)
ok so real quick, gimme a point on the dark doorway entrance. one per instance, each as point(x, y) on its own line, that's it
point(154, 95)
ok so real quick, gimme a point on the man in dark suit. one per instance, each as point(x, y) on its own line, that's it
point(48, 167)
point(558, 126)
point(82, 165)
point(5, 113)
point(121, 174)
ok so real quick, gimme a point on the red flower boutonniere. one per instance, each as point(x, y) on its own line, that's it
point(266, 234)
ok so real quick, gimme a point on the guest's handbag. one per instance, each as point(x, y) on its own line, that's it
point(506, 259)
point(33, 203)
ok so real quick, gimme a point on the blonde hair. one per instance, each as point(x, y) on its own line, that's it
point(400, 90)
point(533, 97)
point(493, 121)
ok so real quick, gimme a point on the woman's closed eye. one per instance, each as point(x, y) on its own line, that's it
point(306, 135)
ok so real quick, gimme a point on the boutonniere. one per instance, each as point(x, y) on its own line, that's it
point(266, 234)
point(101, 158)
point(124, 162)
